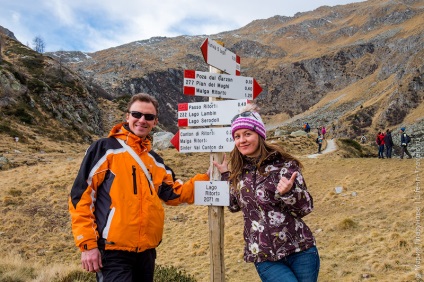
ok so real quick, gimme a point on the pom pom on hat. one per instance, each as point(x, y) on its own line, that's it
point(250, 119)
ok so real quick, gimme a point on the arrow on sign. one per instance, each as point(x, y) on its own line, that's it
point(197, 83)
point(220, 57)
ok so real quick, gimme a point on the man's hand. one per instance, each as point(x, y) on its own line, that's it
point(91, 260)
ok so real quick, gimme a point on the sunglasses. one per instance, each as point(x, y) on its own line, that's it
point(148, 117)
point(243, 114)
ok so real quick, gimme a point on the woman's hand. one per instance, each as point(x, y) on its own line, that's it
point(284, 185)
point(223, 167)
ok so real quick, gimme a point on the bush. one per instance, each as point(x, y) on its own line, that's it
point(352, 143)
point(162, 274)
point(78, 276)
point(23, 116)
point(171, 273)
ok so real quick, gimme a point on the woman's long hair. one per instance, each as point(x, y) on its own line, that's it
point(237, 160)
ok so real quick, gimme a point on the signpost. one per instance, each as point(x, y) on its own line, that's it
point(220, 57)
point(209, 113)
point(213, 84)
point(208, 84)
point(203, 140)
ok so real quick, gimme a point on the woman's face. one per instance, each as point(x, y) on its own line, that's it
point(247, 142)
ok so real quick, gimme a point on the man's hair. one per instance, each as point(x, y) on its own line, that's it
point(143, 97)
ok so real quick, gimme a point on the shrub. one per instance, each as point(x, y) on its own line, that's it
point(23, 116)
point(171, 273)
point(347, 224)
point(352, 143)
point(78, 276)
point(162, 274)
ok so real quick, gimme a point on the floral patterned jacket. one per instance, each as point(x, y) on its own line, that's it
point(273, 225)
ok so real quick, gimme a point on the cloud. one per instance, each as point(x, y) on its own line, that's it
point(93, 25)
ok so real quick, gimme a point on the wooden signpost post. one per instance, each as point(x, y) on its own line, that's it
point(216, 140)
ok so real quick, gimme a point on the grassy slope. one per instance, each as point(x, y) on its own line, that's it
point(369, 234)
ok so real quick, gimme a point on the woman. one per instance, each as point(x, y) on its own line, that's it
point(267, 185)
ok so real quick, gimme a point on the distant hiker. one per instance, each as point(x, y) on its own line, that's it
point(267, 185)
point(380, 142)
point(319, 142)
point(405, 139)
point(323, 132)
point(308, 128)
point(388, 142)
point(363, 139)
point(116, 199)
point(333, 127)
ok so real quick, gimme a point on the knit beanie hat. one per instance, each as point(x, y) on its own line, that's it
point(248, 119)
point(403, 129)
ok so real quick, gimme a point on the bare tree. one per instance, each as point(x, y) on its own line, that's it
point(38, 44)
point(61, 62)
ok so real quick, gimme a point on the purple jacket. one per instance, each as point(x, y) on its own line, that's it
point(273, 225)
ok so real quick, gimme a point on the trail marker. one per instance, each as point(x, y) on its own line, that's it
point(209, 193)
point(208, 113)
point(203, 140)
point(218, 85)
point(220, 57)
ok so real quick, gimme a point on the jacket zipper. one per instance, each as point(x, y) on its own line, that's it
point(134, 175)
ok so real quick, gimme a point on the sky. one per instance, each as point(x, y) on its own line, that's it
point(93, 25)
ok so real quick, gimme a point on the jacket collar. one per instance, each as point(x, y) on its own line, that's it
point(123, 132)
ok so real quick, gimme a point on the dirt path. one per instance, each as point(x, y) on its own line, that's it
point(331, 147)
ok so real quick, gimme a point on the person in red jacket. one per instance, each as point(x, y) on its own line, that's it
point(380, 143)
point(116, 200)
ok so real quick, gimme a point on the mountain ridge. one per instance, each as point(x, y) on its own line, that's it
point(358, 65)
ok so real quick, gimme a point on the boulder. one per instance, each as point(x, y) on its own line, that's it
point(161, 140)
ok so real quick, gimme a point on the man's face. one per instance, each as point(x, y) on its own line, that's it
point(140, 126)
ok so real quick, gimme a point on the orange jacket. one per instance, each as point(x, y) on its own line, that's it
point(112, 203)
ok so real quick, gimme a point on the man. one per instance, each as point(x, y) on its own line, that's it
point(115, 202)
point(388, 142)
point(319, 141)
point(404, 140)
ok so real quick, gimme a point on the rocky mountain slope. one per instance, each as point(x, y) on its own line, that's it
point(362, 61)
point(359, 65)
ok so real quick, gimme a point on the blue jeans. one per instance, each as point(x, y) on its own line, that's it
point(380, 151)
point(297, 267)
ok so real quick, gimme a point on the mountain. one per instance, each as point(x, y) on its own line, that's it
point(359, 66)
point(39, 96)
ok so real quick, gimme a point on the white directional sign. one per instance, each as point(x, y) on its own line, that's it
point(197, 83)
point(211, 193)
point(220, 57)
point(209, 113)
point(203, 140)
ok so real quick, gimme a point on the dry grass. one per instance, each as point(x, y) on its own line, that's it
point(365, 233)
